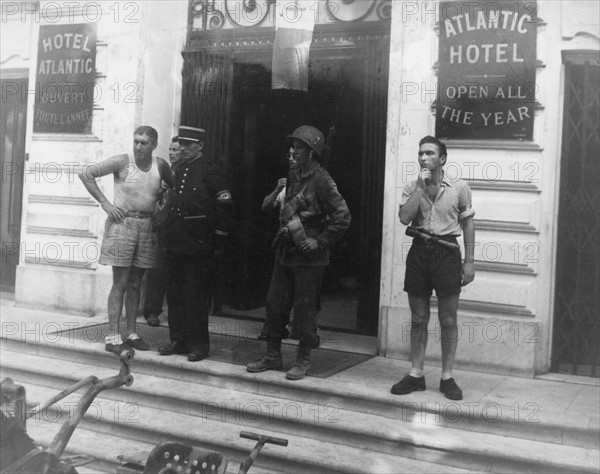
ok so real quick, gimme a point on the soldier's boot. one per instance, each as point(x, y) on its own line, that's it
point(272, 360)
point(301, 366)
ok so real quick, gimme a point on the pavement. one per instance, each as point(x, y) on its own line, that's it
point(555, 400)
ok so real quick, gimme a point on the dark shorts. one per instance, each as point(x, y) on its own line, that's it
point(433, 267)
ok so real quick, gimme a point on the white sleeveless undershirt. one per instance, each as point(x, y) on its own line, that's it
point(137, 190)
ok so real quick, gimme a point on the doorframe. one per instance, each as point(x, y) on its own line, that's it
point(329, 40)
point(21, 75)
point(568, 56)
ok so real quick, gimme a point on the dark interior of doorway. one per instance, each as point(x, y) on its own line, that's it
point(576, 334)
point(259, 123)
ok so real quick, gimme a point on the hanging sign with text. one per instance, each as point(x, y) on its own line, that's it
point(487, 65)
point(65, 86)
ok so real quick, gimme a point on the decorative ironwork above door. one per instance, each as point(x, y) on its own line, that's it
point(207, 15)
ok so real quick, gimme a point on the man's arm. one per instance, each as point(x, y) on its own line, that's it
point(468, 268)
point(270, 201)
point(217, 185)
point(92, 171)
point(409, 209)
point(165, 172)
point(339, 217)
point(166, 175)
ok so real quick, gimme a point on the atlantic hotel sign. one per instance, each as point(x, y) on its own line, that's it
point(487, 65)
point(66, 68)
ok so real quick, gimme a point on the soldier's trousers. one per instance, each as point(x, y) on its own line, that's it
point(298, 288)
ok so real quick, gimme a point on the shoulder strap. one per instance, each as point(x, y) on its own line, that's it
point(289, 208)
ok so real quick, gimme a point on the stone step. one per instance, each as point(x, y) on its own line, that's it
point(495, 419)
point(84, 441)
point(105, 444)
point(148, 427)
point(387, 435)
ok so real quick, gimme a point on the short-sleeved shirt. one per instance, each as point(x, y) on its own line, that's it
point(452, 205)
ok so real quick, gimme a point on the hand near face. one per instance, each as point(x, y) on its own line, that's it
point(424, 177)
point(281, 183)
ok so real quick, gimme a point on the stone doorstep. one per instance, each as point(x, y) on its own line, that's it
point(106, 445)
point(557, 428)
point(481, 451)
point(311, 455)
point(103, 445)
point(217, 436)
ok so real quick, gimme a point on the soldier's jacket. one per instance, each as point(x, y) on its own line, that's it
point(201, 208)
point(323, 212)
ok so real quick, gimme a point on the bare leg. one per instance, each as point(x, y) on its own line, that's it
point(420, 313)
point(448, 307)
point(132, 297)
point(115, 299)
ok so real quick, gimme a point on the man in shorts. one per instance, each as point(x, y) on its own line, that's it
point(441, 207)
point(130, 243)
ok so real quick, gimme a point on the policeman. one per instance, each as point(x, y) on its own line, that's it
point(314, 216)
point(196, 230)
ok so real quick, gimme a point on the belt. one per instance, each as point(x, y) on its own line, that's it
point(447, 241)
point(138, 214)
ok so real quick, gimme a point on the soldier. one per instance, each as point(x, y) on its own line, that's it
point(313, 218)
point(196, 230)
point(130, 244)
point(439, 207)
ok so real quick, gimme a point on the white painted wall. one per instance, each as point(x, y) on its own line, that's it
point(506, 317)
point(139, 81)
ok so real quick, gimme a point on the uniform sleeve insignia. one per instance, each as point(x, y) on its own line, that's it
point(223, 196)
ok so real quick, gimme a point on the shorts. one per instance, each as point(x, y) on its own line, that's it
point(433, 267)
point(130, 243)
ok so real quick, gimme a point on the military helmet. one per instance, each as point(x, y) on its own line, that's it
point(311, 136)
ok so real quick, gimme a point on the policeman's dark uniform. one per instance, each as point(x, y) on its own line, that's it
point(198, 225)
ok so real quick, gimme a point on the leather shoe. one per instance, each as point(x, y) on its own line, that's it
point(196, 356)
point(450, 389)
point(137, 344)
point(298, 371)
point(265, 363)
point(409, 384)
point(173, 347)
point(153, 320)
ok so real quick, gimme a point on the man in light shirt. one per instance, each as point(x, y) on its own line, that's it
point(436, 206)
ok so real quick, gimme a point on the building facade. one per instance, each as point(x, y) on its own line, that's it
point(381, 74)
